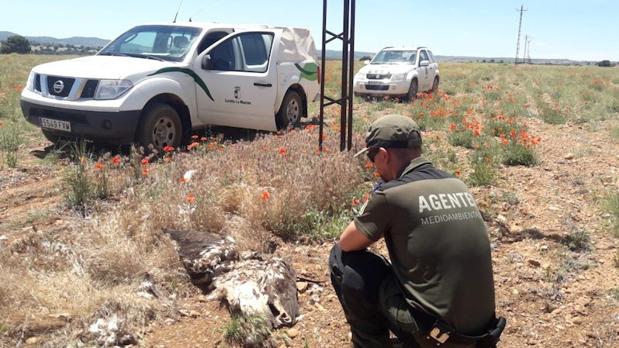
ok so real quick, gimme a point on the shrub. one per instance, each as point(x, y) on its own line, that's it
point(280, 184)
point(500, 124)
point(483, 174)
point(578, 240)
point(464, 133)
point(248, 331)
point(518, 149)
point(550, 114)
point(518, 154)
point(80, 188)
point(10, 140)
point(102, 187)
point(320, 225)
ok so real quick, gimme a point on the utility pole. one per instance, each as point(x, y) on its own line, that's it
point(528, 59)
point(345, 101)
point(522, 10)
point(526, 46)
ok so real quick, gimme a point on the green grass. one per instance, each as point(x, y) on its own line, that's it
point(483, 174)
point(10, 140)
point(484, 165)
point(551, 115)
point(463, 138)
point(612, 206)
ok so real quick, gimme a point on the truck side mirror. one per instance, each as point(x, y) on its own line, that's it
point(424, 63)
point(207, 63)
point(366, 62)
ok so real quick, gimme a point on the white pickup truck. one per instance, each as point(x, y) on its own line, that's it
point(398, 72)
point(155, 83)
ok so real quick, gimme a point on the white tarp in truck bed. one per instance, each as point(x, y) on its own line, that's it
point(297, 45)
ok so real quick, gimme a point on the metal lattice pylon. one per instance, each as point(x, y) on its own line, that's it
point(345, 101)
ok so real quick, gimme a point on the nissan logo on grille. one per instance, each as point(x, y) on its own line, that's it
point(58, 86)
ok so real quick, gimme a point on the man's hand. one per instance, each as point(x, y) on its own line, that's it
point(353, 240)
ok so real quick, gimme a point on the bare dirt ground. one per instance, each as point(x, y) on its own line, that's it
point(551, 296)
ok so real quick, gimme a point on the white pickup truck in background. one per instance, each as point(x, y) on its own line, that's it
point(155, 83)
point(398, 72)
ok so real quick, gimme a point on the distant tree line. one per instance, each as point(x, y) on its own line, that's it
point(606, 63)
point(15, 44)
point(21, 45)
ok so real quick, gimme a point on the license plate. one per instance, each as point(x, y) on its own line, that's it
point(55, 124)
point(370, 82)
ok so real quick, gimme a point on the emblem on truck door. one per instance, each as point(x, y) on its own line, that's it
point(58, 86)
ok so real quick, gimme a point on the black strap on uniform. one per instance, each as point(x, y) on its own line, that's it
point(441, 333)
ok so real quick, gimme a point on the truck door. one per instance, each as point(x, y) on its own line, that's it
point(425, 72)
point(240, 81)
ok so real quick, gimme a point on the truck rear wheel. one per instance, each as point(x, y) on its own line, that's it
point(291, 111)
point(435, 85)
point(160, 126)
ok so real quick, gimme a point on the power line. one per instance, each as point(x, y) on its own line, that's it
point(209, 5)
point(529, 50)
point(526, 47)
point(522, 10)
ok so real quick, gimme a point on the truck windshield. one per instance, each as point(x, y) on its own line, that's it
point(395, 57)
point(161, 42)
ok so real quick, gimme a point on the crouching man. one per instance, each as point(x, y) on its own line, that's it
point(438, 289)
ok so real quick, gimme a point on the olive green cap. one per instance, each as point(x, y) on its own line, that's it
point(392, 131)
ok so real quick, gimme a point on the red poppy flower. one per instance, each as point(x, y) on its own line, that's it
point(168, 148)
point(190, 198)
point(265, 196)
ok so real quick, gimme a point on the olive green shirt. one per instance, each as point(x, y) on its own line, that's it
point(437, 242)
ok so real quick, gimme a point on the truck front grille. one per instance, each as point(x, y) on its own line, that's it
point(89, 89)
point(377, 87)
point(59, 86)
point(37, 82)
point(378, 76)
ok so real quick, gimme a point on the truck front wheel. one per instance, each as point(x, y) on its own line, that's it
point(412, 91)
point(160, 126)
point(290, 112)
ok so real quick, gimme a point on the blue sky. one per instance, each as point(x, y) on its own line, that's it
point(584, 30)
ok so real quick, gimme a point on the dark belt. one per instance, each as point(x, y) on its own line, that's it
point(439, 332)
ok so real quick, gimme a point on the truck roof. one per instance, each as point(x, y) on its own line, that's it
point(403, 48)
point(209, 25)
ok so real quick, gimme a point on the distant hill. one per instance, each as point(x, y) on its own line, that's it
point(47, 40)
point(96, 42)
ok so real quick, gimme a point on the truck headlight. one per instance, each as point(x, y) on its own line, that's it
point(398, 77)
point(30, 82)
point(112, 89)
